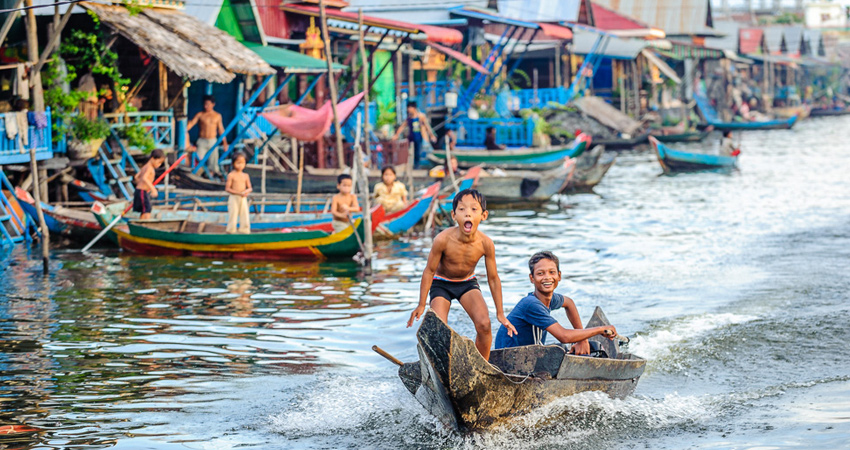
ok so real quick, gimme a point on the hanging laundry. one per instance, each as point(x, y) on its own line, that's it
point(21, 87)
point(23, 127)
point(11, 122)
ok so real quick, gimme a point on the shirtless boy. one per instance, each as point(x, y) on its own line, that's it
point(144, 184)
point(209, 129)
point(450, 273)
point(238, 186)
point(343, 203)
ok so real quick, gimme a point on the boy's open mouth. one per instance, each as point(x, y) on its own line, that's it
point(467, 226)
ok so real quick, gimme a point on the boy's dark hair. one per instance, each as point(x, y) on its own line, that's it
point(728, 133)
point(210, 98)
point(539, 256)
point(238, 155)
point(475, 195)
point(343, 176)
point(157, 153)
point(489, 129)
point(386, 168)
point(412, 104)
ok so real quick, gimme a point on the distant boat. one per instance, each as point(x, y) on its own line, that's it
point(517, 159)
point(464, 391)
point(675, 160)
point(687, 136)
point(513, 187)
point(823, 112)
point(74, 221)
point(712, 119)
point(186, 238)
point(591, 166)
point(621, 143)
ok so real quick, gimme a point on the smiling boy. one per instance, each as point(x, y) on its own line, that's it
point(450, 272)
point(533, 314)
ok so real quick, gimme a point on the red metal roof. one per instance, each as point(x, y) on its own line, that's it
point(461, 57)
point(606, 19)
point(434, 33)
point(750, 41)
point(556, 31)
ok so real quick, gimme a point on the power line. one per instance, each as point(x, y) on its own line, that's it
point(39, 6)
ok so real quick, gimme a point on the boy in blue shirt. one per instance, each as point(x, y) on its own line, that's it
point(532, 316)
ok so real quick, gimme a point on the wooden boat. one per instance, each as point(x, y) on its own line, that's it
point(622, 143)
point(521, 158)
point(591, 166)
point(824, 112)
point(712, 119)
point(687, 136)
point(74, 221)
point(675, 160)
point(186, 238)
point(404, 220)
point(457, 385)
point(502, 188)
point(784, 112)
point(315, 181)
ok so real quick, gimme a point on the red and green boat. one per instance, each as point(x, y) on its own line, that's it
point(186, 238)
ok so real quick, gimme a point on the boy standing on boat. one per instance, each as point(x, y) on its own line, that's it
point(238, 186)
point(417, 127)
point(533, 314)
point(343, 203)
point(450, 273)
point(144, 185)
point(210, 127)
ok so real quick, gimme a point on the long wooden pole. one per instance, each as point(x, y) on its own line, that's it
point(340, 154)
point(300, 177)
point(10, 19)
point(37, 97)
point(51, 44)
point(366, 89)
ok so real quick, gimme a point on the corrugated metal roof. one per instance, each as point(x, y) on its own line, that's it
point(617, 48)
point(675, 17)
point(418, 11)
point(606, 19)
point(793, 39)
point(814, 43)
point(727, 42)
point(204, 10)
point(774, 39)
point(540, 10)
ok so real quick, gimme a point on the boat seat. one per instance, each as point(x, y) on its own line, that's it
point(528, 359)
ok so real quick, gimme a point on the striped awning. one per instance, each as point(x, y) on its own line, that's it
point(682, 51)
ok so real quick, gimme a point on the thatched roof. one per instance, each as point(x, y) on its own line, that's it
point(183, 56)
point(225, 48)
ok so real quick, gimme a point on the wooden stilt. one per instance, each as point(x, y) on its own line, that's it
point(340, 154)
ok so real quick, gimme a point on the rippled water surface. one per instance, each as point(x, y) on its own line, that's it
point(733, 287)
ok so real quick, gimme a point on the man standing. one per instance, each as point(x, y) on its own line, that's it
point(417, 127)
point(210, 128)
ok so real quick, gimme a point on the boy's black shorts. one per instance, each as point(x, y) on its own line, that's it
point(142, 201)
point(451, 290)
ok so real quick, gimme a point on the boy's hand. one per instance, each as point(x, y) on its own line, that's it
point(504, 321)
point(154, 193)
point(581, 348)
point(609, 331)
point(415, 315)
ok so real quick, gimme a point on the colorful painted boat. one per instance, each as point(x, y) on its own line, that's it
point(522, 158)
point(591, 167)
point(184, 238)
point(712, 119)
point(464, 391)
point(675, 160)
point(404, 220)
point(76, 222)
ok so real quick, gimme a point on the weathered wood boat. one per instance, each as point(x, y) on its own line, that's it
point(675, 160)
point(824, 112)
point(688, 136)
point(516, 159)
point(524, 186)
point(713, 119)
point(591, 167)
point(74, 221)
point(315, 181)
point(621, 143)
point(457, 385)
point(186, 238)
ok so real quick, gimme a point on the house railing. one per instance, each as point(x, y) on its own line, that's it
point(538, 98)
point(510, 132)
point(12, 148)
point(158, 124)
point(429, 94)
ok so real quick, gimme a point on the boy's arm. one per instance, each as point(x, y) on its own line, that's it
point(248, 184)
point(567, 336)
point(495, 284)
point(428, 277)
point(582, 347)
point(400, 130)
point(335, 210)
point(355, 206)
point(220, 127)
point(193, 122)
point(423, 119)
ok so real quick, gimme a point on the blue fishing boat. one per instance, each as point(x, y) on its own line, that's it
point(675, 160)
point(712, 118)
point(404, 220)
point(516, 159)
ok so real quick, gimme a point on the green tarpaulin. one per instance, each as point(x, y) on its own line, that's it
point(290, 60)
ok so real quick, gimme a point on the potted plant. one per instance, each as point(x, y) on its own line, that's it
point(135, 136)
point(86, 136)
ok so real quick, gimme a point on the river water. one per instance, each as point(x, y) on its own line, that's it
point(733, 287)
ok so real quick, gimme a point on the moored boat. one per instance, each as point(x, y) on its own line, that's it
point(457, 385)
point(687, 136)
point(511, 187)
point(674, 160)
point(591, 167)
point(712, 119)
point(187, 238)
point(824, 112)
point(519, 159)
point(72, 221)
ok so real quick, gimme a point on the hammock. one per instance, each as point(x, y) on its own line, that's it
point(310, 125)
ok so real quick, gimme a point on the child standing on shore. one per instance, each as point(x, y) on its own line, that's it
point(144, 185)
point(450, 273)
point(343, 203)
point(238, 186)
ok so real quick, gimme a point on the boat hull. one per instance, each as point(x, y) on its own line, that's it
point(520, 159)
point(591, 167)
point(454, 382)
point(679, 161)
point(525, 186)
point(696, 136)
